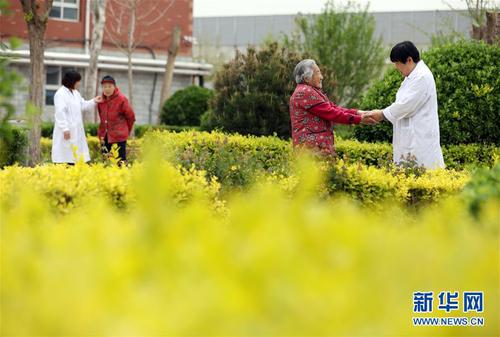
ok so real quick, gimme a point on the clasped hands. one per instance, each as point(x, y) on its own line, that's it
point(371, 117)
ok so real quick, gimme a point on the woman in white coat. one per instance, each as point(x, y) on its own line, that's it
point(69, 143)
point(414, 114)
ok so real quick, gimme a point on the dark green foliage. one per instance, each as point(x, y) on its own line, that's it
point(10, 81)
point(139, 129)
point(186, 106)
point(483, 187)
point(13, 147)
point(253, 91)
point(468, 88)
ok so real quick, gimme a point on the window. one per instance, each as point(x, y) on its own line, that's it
point(53, 82)
point(65, 10)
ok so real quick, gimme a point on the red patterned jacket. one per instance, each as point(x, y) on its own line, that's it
point(313, 115)
point(117, 117)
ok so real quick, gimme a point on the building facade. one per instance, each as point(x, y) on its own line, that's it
point(67, 46)
point(237, 32)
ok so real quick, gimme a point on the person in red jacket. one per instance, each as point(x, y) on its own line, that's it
point(117, 118)
point(313, 115)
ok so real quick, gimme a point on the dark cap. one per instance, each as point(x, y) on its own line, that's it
point(108, 79)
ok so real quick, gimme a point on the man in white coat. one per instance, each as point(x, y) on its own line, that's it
point(69, 143)
point(414, 114)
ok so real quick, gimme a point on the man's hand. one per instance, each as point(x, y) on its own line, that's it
point(376, 115)
point(367, 119)
point(67, 135)
point(98, 99)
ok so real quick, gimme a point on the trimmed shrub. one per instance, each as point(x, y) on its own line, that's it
point(482, 188)
point(374, 185)
point(468, 89)
point(65, 187)
point(13, 147)
point(186, 106)
point(233, 159)
point(139, 129)
point(237, 161)
point(48, 129)
point(252, 92)
point(275, 154)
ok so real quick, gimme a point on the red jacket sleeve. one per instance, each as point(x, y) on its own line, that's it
point(336, 114)
point(129, 115)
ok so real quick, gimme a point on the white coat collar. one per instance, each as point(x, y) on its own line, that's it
point(416, 70)
point(69, 91)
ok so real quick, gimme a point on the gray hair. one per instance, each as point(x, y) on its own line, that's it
point(304, 70)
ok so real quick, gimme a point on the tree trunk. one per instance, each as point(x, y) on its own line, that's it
point(492, 27)
point(36, 17)
point(169, 69)
point(130, 51)
point(99, 20)
point(37, 70)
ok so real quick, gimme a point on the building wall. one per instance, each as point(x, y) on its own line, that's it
point(237, 32)
point(143, 89)
point(72, 33)
point(68, 36)
point(146, 110)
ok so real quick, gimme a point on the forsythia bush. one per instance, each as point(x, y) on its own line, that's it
point(133, 149)
point(238, 160)
point(274, 264)
point(233, 159)
point(373, 186)
point(66, 187)
point(273, 151)
point(363, 171)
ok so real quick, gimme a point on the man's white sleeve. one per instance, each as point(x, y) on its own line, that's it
point(406, 106)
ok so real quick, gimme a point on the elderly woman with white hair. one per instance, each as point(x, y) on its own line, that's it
point(313, 115)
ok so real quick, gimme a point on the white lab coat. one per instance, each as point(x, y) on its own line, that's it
point(415, 121)
point(69, 106)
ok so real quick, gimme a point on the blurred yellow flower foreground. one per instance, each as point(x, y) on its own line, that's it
point(179, 261)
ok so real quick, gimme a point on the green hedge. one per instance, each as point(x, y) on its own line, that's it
point(186, 106)
point(463, 156)
point(197, 146)
point(468, 89)
point(372, 185)
point(233, 159)
point(139, 129)
point(483, 187)
point(236, 161)
point(13, 147)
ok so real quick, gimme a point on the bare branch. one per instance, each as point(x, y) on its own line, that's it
point(159, 16)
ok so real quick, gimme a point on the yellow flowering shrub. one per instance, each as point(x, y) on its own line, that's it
point(275, 154)
point(275, 264)
point(66, 187)
point(373, 186)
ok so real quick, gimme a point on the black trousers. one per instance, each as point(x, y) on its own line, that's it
point(122, 148)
